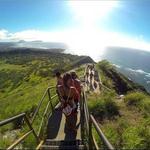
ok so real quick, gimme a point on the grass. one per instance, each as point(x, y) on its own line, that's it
point(125, 123)
point(139, 100)
point(129, 128)
point(103, 106)
point(23, 99)
point(23, 81)
point(26, 102)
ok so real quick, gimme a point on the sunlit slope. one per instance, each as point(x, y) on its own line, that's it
point(24, 76)
point(122, 111)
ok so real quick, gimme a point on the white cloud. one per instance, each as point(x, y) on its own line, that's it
point(87, 38)
point(91, 42)
point(3, 34)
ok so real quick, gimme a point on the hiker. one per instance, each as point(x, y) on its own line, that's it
point(92, 66)
point(59, 79)
point(59, 83)
point(69, 95)
point(76, 81)
point(92, 78)
point(87, 75)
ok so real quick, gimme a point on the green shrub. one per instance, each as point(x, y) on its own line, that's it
point(103, 107)
point(97, 108)
point(111, 108)
point(145, 106)
point(139, 100)
point(134, 98)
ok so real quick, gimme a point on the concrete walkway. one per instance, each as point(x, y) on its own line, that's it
point(57, 127)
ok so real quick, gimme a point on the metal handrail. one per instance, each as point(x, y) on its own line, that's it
point(86, 112)
point(40, 103)
point(4, 122)
point(23, 116)
point(91, 121)
point(101, 134)
point(30, 123)
point(46, 114)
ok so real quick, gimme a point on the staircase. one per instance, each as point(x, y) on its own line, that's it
point(66, 145)
point(52, 133)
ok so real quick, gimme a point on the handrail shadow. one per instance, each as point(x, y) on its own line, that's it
point(54, 124)
point(69, 134)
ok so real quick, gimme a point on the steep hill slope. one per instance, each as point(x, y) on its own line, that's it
point(132, 62)
point(117, 80)
point(124, 119)
point(24, 75)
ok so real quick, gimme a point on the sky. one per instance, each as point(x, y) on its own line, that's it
point(87, 27)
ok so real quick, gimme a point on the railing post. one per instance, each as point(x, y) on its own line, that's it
point(49, 97)
point(90, 134)
point(31, 128)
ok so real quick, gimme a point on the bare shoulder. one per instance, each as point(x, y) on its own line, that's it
point(60, 87)
point(72, 88)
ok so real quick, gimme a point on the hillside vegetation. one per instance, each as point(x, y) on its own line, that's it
point(134, 63)
point(124, 119)
point(115, 80)
point(25, 74)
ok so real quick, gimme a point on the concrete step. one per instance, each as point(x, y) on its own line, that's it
point(62, 147)
point(62, 142)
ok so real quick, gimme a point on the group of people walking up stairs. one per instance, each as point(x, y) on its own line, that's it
point(89, 76)
point(68, 88)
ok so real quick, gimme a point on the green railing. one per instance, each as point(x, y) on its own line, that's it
point(49, 107)
point(90, 123)
point(23, 116)
point(39, 134)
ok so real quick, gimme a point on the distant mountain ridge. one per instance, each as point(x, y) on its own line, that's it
point(26, 53)
point(25, 50)
point(7, 46)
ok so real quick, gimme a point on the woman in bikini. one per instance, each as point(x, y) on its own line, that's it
point(68, 95)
